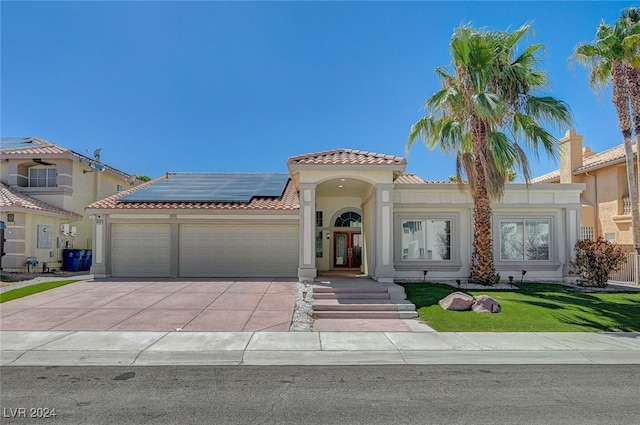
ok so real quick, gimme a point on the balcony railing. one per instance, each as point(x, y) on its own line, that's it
point(626, 205)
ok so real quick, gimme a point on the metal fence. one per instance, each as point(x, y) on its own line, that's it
point(628, 272)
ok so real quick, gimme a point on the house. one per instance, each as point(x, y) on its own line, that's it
point(44, 188)
point(340, 209)
point(605, 203)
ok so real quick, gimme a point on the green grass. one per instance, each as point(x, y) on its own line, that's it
point(32, 289)
point(532, 308)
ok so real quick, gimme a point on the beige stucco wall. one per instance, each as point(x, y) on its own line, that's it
point(21, 241)
point(75, 190)
point(560, 204)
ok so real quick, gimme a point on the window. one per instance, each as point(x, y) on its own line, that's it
point(319, 243)
point(319, 219)
point(524, 240)
point(428, 240)
point(119, 188)
point(586, 232)
point(42, 177)
point(349, 219)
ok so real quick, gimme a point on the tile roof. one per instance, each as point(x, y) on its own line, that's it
point(611, 156)
point(409, 179)
point(288, 201)
point(347, 157)
point(12, 199)
point(31, 146)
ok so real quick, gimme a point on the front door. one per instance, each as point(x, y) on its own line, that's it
point(347, 250)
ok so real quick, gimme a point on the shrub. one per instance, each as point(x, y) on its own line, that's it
point(595, 260)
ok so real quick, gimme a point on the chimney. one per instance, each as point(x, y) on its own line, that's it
point(570, 155)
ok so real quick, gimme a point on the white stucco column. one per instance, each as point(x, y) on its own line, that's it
point(306, 247)
point(572, 220)
point(384, 269)
point(100, 240)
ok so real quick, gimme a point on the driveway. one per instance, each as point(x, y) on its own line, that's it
point(157, 305)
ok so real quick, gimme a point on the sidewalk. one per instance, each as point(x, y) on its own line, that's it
point(20, 348)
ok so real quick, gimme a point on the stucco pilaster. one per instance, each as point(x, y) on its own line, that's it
point(175, 248)
point(384, 270)
point(307, 263)
point(100, 243)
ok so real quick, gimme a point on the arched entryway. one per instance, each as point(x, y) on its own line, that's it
point(347, 240)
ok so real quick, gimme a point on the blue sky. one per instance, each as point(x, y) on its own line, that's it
point(241, 86)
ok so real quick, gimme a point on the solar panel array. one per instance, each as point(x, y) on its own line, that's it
point(211, 187)
point(18, 142)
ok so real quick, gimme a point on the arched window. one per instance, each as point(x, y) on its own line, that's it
point(349, 219)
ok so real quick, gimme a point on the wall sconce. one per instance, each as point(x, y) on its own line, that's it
point(328, 235)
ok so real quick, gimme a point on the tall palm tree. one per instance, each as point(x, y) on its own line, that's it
point(629, 22)
point(608, 59)
point(481, 113)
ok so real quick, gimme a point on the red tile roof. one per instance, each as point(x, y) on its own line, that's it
point(346, 157)
point(14, 200)
point(45, 148)
point(611, 156)
point(288, 201)
point(410, 179)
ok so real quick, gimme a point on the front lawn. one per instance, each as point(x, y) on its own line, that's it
point(534, 307)
point(32, 289)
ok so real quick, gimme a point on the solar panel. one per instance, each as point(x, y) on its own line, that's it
point(18, 142)
point(211, 187)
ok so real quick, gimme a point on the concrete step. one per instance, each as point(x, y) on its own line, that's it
point(365, 314)
point(365, 289)
point(361, 305)
point(351, 295)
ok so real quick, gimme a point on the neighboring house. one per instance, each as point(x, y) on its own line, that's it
point(606, 206)
point(44, 189)
point(335, 210)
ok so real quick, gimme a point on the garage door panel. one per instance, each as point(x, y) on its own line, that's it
point(214, 250)
point(140, 250)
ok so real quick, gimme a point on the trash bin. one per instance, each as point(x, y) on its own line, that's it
point(71, 259)
point(81, 259)
point(85, 262)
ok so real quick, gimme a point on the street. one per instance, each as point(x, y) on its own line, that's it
point(403, 394)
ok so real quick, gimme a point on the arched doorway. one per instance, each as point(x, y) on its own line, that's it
point(347, 241)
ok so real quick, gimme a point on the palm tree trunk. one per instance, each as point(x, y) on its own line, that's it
point(633, 80)
point(482, 266)
point(621, 101)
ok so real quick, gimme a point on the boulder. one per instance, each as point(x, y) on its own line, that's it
point(486, 304)
point(458, 301)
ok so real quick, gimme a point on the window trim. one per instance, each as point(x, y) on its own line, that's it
point(552, 264)
point(452, 264)
point(47, 179)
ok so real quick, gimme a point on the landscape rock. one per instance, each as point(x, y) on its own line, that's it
point(486, 304)
point(457, 301)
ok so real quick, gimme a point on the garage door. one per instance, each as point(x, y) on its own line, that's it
point(140, 250)
point(266, 250)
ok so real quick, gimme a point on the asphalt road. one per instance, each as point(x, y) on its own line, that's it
point(433, 394)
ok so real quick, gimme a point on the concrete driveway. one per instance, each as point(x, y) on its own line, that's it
point(156, 305)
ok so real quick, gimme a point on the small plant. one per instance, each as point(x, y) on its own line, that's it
point(595, 260)
point(510, 279)
point(497, 277)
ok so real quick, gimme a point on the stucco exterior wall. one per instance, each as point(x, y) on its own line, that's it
point(556, 205)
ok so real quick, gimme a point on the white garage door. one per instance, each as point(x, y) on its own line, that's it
point(247, 250)
point(141, 250)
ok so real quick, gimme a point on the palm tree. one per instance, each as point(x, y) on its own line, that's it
point(629, 23)
point(481, 112)
point(609, 59)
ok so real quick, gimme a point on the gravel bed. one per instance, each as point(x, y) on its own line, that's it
point(302, 315)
